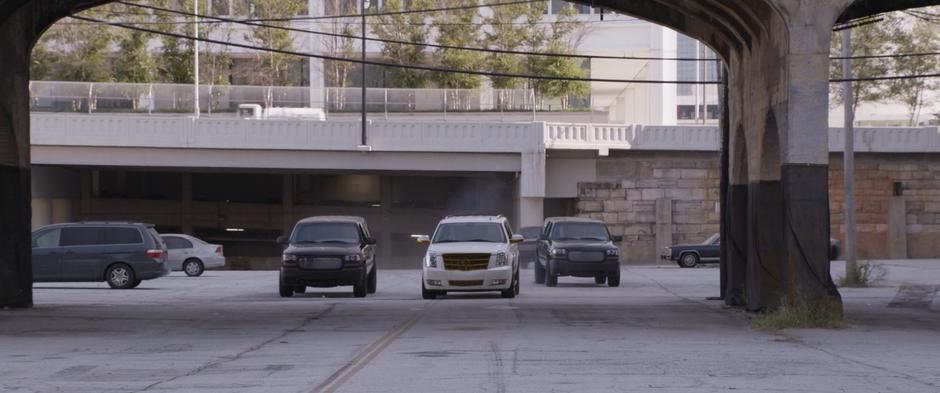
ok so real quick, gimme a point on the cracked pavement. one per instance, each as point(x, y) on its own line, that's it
point(230, 332)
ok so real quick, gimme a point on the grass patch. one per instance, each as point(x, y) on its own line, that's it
point(800, 314)
point(868, 274)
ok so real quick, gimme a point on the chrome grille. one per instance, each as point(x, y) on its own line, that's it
point(320, 263)
point(466, 262)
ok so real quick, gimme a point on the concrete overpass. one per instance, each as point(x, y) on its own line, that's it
point(775, 173)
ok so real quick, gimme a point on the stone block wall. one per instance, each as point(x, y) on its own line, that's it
point(629, 186)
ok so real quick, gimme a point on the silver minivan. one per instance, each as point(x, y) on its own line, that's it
point(120, 253)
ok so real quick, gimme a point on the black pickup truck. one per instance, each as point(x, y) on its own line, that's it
point(578, 247)
point(709, 251)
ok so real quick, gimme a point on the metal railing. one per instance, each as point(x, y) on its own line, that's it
point(108, 97)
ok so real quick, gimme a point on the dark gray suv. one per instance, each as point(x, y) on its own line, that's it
point(122, 254)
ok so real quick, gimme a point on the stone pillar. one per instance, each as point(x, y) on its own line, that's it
point(16, 276)
point(663, 225)
point(897, 228)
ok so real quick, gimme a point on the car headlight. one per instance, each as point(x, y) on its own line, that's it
point(354, 258)
point(430, 260)
point(558, 252)
point(613, 252)
point(289, 259)
point(501, 259)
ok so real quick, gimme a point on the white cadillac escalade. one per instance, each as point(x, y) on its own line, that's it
point(471, 254)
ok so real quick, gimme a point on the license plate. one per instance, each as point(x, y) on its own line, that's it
point(321, 263)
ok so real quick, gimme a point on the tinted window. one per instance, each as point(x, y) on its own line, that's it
point(48, 238)
point(470, 232)
point(80, 236)
point(326, 232)
point(579, 231)
point(176, 243)
point(122, 236)
point(157, 240)
point(530, 232)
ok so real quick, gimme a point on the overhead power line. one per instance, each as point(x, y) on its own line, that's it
point(411, 43)
point(392, 65)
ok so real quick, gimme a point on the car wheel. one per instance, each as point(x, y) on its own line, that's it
point(373, 278)
point(539, 273)
point(688, 260)
point(286, 290)
point(600, 279)
point(120, 276)
point(193, 267)
point(551, 278)
point(426, 294)
point(513, 289)
point(135, 284)
point(613, 279)
point(360, 288)
point(300, 289)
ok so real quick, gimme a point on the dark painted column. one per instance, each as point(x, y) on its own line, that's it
point(766, 250)
point(736, 243)
point(724, 123)
point(805, 193)
point(15, 215)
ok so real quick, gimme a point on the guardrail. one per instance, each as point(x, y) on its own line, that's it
point(95, 97)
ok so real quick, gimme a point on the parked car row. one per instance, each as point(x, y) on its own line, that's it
point(123, 254)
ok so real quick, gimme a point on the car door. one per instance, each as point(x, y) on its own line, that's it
point(543, 243)
point(368, 250)
point(81, 248)
point(713, 250)
point(47, 257)
point(178, 250)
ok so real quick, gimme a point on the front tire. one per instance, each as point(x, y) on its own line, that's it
point(373, 279)
point(613, 279)
point(513, 289)
point(300, 289)
point(120, 276)
point(286, 290)
point(539, 273)
point(551, 278)
point(688, 260)
point(193, 267)
point(360, 288)
point(600, 279)
point(426, 294)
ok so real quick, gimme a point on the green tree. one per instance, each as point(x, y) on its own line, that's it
point(42, 60)
point(914, 36)
point(512, 28)
point(404, 27)
point(84, 49)
point(560, 37)
point(174, 63)
point(337, 72)
point(871, 39)
point(457, 28)
point(274, 68)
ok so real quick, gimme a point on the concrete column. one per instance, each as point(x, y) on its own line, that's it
point(85, 192)
point(186, 203)
point(385, 225)
point(287, 203)
point(897, 228)
point(42, 212)
point(531, 212)
point(737, 245)
point(62, 210)
point(663, 225)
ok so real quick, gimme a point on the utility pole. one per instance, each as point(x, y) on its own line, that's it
point(196, 59)
point(364, 123)
point(848, 155)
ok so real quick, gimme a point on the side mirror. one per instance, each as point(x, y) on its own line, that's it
point(283, 240)
point(517, 238)
point(617, 239)
point(370, 240)
point(421, 239)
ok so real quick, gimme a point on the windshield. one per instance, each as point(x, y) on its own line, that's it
point(326, 232)
point(579, 231)
point(710, 240)
point(486, 232)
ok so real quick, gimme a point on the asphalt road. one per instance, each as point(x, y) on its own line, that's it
point(230, 332)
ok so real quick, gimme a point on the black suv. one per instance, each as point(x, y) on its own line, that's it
point(121, 253)
point(578, 247)
point(328, 251)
